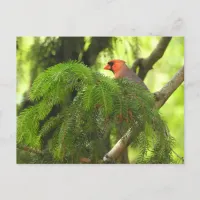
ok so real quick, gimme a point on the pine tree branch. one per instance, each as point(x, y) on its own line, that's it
point(146, 64)
point(161, 97)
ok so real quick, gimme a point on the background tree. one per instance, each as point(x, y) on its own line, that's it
point(34, 55)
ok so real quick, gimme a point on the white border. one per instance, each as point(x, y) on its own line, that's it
point(95, 18)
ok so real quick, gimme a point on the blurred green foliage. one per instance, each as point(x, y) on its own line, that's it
point(35, 54)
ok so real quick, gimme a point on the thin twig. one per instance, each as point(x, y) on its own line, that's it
point(30, 150)
point(178, 155)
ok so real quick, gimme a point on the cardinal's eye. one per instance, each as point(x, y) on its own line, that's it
point(110, 63)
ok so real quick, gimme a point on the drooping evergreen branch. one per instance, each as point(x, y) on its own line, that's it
point(161, 97)
point(145, 64)
point(101, 106)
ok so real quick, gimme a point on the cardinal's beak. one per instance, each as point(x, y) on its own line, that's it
point(107, 67)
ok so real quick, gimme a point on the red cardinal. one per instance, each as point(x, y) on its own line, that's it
point(120, 70)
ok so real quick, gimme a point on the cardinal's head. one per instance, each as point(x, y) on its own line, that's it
point(119, 68)
point(115, 65)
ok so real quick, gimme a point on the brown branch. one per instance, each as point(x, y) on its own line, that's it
point(97, 45)
point(146, 64)
point(163, 95)
point(160, 97)
point(30, 150)
point(118, 148)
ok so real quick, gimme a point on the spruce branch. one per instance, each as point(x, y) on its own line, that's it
point(161, 97)
point(69, 134)
point(146, 64)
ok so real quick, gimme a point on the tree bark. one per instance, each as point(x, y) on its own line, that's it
point(163, 95)
point(146, 64)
